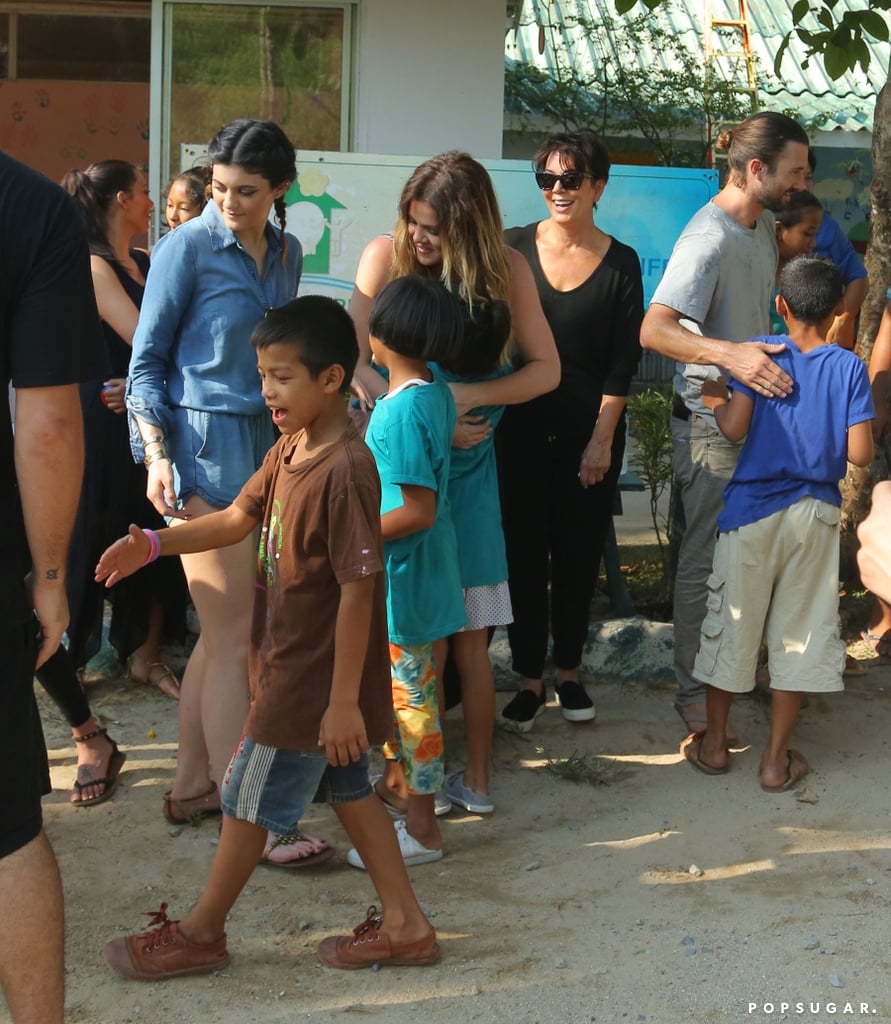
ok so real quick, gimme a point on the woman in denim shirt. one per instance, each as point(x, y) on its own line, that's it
point(199, 420)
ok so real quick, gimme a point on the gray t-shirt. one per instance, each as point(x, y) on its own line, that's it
point(721, 277)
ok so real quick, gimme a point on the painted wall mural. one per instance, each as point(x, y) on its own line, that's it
point(53, 126)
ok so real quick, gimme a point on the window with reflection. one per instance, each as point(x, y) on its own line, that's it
point(285, 64)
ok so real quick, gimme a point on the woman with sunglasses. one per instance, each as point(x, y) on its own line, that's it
point(561, 454)
point(450, 228)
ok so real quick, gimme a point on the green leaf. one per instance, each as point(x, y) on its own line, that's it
point(624, 6)
point(826, 19)
point(875, 25)
point(836, 61)
point(862, 55)
point(801, 8)
point(843, 38)
point(781, 52)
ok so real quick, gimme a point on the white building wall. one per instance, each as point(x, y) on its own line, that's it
point(429, 77)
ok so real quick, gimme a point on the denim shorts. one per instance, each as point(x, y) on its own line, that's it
point(273, 788)
point(215, 453)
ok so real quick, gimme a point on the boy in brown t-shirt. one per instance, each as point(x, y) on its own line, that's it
point(319, 664)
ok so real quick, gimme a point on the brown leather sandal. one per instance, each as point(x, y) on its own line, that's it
point(112, 776)
point(191, 810)
point(157, 674)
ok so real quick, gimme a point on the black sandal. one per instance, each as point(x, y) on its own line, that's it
point(112, 777)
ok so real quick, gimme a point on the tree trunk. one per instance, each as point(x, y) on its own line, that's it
point(856, 488)
point(878, 256)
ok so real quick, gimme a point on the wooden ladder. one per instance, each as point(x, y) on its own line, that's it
point(738, 64)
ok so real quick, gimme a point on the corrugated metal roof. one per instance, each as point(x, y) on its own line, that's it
point(848, 103)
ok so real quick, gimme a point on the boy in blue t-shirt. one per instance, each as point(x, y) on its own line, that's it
point(414, 321)
point(775, 569)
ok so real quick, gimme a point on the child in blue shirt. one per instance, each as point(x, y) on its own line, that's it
point(775, 568)
point(415, 320)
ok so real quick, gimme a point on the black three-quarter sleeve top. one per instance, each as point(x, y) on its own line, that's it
point(597, 330)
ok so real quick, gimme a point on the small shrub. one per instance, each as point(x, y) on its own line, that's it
point(649, 423)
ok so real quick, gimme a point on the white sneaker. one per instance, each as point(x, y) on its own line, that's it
point(412, 851)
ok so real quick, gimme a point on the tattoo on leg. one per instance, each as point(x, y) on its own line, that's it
point(52, 574)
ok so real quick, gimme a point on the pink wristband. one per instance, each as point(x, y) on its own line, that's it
point(155, 549)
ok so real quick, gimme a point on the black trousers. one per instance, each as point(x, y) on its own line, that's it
point(58, 677)
point(23, 760)
point(555, 530)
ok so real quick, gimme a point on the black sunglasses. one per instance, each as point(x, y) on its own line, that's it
point(570, 180)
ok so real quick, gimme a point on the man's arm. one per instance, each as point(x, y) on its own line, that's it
point(342, 730)
point(49, 462)
point(748, 361)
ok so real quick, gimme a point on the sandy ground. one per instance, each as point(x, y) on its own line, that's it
point(663, 896)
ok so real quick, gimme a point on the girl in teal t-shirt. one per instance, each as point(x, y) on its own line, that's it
point(414, 320)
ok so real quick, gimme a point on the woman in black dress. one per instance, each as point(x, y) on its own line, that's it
point(113, 197)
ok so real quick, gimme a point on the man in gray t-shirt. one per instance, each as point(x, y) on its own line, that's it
point(718, 275)
point(715, 294)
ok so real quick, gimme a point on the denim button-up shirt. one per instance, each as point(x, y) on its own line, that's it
point(203, 297)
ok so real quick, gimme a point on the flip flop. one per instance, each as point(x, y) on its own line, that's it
point(691, 747)
point(696, 723)
point(191, 810)
point(798, 768)
point(113, 773)
point(309, 861)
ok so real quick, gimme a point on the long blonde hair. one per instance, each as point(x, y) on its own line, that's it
point(474, 261)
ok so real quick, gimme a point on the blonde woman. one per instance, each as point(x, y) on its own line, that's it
point(450, 227)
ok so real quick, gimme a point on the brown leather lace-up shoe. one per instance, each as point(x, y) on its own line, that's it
point(164, 952)
point(368, 946)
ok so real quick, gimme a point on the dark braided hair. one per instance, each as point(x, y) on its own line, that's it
point(260, 147)
point(197, 183)
point(94, 190)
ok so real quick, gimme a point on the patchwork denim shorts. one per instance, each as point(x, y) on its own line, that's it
point(273, 788)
